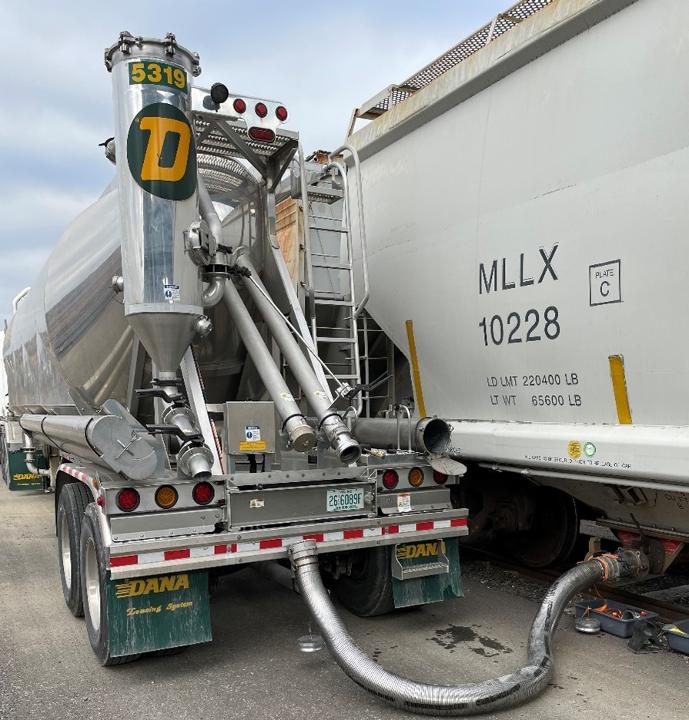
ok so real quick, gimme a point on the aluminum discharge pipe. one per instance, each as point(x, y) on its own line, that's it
point(429, 434)
point(472, 699)
point(106, 440)
point(301, 434)
point(336, 431)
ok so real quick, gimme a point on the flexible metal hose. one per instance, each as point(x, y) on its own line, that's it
point(472, 699)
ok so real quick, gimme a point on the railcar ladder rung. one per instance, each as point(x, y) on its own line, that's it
point(330, 295)
point(324, 228)
point(331, 266)
point(343, 340)
point(330, 301)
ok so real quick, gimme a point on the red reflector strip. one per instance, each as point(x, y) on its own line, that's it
point(220, 549)
point(391, 530)
point(427, 525)
point(233, 547)
point(264, 134)
point(177, 554)
point(318, 537)
point(458, 522)
point(268, 544)
point(122, 560)
point(352, 534)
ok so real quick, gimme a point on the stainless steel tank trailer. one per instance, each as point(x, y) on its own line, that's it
point(200, 407)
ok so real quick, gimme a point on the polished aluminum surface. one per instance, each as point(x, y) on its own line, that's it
point(162, 285)
point(67, 347)
point(301, 434)
point(107, 440)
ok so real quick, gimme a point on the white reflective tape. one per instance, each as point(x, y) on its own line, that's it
point(408, 528)
point(151, 557)
point(205, 551)
point(333, 536)
point(442, 524)
point(248, 547)
point(373, 532)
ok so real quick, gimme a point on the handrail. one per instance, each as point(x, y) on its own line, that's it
point(358, 309)
point(307, 235)
point(18, 298)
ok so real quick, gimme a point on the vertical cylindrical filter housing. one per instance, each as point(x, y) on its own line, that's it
point(157, 181)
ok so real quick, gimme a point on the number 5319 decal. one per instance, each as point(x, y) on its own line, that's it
point(154, 72)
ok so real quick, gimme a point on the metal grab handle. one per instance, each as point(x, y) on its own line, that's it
point(358, 309)
point(306, 227)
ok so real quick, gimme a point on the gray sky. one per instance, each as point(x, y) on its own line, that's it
point(320, 59)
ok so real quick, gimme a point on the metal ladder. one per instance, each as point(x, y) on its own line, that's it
point(332, 307)
point(377, 364)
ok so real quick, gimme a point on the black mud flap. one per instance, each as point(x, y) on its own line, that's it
point(425, 572)
point(157, 613)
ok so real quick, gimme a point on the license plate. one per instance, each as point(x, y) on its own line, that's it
point(344, 500)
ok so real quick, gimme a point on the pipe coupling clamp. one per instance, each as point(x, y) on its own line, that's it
point(302, 554)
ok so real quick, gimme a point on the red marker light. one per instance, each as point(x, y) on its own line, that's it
point(439, 477)
point(262, 134)
point(281, 113)
point(127, 499)
point(261, 109)
point(390, 479)
point(203, 493)
point(239, 106)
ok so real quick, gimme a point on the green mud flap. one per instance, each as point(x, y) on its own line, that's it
point(17, 475)
point(426, 572)
point(157, 613)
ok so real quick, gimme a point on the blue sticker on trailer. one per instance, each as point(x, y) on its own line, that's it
point(159, 612)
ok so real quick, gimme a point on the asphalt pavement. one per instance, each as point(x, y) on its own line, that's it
point(253, 669)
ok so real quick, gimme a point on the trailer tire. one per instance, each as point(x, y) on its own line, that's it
point(71, 505)
point(367, 591)
point(93, 561)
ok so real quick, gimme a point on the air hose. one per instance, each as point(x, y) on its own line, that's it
point(472, 699)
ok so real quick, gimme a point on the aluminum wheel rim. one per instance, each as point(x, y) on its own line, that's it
point(65, 552)
point(92, 578)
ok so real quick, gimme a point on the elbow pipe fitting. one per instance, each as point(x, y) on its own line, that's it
point(507, 691)
point(208, 213)
point(29, 458)
point(215, 291)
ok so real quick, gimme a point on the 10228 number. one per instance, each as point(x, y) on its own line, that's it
point(514, 329)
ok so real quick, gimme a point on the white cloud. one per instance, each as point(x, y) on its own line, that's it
point(30, 211)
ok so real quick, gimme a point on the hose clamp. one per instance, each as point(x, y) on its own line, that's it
point(302, 554)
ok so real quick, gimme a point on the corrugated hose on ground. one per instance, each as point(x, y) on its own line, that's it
point(507, 691)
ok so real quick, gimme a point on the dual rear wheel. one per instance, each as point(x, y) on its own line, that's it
point(83, 562)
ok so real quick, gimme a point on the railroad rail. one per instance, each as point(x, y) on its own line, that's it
point(667, 611)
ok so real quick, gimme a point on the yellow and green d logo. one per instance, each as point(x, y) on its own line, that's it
point(160, 152)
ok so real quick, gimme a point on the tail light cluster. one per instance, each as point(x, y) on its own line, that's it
point(166, 496)
point(260, 108)
point(415, 477)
